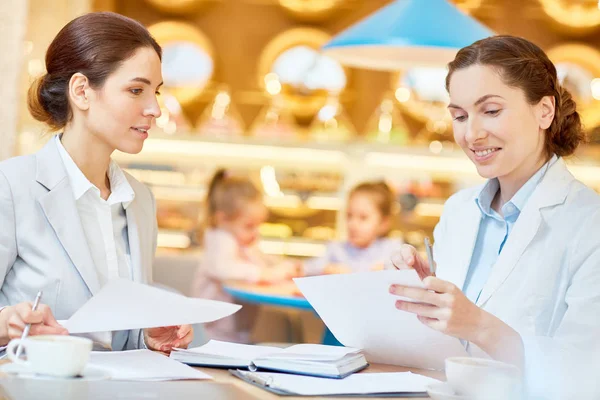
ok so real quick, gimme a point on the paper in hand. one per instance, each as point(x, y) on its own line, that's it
point(122, 305)
point(360, 312)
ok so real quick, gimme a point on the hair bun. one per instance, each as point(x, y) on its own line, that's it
point(47, 102)
point(566, 131)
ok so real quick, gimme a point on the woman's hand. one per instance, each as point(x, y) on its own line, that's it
point(444, 307)
point(14, 318)
point(408, 258)
point(168, 337)
point(441, 306)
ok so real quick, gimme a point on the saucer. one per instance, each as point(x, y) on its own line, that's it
point(443, 391)
point(89, 374)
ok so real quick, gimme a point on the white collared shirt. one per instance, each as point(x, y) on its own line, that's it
point(104, 222)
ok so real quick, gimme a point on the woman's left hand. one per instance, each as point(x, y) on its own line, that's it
point(166, 338)
point(444, 307)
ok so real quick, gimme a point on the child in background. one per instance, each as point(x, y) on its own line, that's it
point(368, 219)
point(235, 211)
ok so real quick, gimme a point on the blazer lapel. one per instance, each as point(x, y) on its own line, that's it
point(552, 190)
point(140, 233)
point(467, 231)
point(522, 234)
point(61, 211)
point(133, 233)
point(457, 252)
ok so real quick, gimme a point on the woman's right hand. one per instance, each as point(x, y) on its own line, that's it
point(408, 258)
point(14, 318)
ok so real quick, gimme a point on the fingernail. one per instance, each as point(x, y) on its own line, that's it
point(392, 288)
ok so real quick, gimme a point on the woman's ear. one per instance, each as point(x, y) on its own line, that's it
point(546, 109)
point(79, 90)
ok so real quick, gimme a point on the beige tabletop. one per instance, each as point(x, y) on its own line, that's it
point(221, 377)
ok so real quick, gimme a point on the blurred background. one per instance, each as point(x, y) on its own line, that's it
point(246, 88)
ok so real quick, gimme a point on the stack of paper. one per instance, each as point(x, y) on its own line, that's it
point(399, 384)
point(142, 365)
point(360, 312)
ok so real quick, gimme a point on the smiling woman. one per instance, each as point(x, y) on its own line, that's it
point(71, 218)
point(517, 258)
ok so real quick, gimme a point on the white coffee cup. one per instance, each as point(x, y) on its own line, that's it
point(54, 355)
point(480, 378)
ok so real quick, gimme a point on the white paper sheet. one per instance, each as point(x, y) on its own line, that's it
point(361, 313)
point(239, 351)
point(363, 383)
point(314, 352)
point(122, 304)
point(142, 365)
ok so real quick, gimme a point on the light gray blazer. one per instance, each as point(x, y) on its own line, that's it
point(42, 242)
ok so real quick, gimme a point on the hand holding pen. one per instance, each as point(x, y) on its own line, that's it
point(408, 258)
point(36, 303)
point(14, 320)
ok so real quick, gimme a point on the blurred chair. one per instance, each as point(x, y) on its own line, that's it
point(175, 273)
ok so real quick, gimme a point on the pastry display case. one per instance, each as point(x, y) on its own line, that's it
point(305, 185)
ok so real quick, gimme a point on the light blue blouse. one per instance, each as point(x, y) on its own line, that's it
point(495, 228)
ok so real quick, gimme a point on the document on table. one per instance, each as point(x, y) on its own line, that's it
point(122, 305)
point(142, 365)
point(401, 384)
point(360, 312)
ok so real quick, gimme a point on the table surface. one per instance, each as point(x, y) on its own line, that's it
point(224, 377)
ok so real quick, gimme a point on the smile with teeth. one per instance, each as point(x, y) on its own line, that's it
point(483, 153)
point(141, 130)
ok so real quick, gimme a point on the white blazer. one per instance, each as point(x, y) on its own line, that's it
point(42, 242)
point(545, 283)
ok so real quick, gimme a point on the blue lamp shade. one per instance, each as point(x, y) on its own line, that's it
point(406, 33)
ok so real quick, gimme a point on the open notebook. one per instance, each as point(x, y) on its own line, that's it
point(302, 359)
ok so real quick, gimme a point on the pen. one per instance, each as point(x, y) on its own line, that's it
point(259, 379)
point(36, 303)
point(429, 256)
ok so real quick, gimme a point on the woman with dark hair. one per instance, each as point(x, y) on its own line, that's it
point(70, 218)
point(518, 258)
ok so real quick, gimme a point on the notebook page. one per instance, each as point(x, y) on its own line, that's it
point(233, 350)
point(314, 352)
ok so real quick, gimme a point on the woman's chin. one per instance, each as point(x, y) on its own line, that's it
point(487, 171)
point(131, 147)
